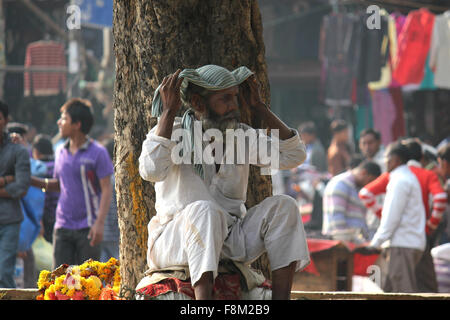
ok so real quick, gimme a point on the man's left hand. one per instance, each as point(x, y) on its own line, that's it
point(96, 233)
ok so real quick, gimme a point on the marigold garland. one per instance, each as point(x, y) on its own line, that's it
point(84, 282)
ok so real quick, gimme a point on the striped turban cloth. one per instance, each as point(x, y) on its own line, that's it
point(210, 77)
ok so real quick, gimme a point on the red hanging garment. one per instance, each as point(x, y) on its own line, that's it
point(45, 54)
point(398, 128)
point(413, 46)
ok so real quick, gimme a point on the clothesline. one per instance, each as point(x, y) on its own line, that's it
point(361, 3)
point(391, 3)
point(370, 68)
point(415, 4)
point(384, 55)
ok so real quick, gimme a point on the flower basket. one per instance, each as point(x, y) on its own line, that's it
point(91, 280)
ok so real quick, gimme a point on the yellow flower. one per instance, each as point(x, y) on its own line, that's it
point(70, 292)
point(116, 281)
point(112, 262)
point(44, 279)
point(63, 289)
point(116, 289)
point(90, 288)
point(96, 281)
point(59, 281)
point(50, 290)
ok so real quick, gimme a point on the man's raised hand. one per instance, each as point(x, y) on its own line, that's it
point(170, 92)
point(255, 99)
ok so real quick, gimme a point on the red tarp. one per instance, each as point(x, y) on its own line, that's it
point(360, 262)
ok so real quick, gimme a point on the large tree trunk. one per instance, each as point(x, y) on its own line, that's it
point(151, 40)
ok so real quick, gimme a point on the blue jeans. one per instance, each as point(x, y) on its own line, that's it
point(109, 249)
point(9, 244)
point(72, 247)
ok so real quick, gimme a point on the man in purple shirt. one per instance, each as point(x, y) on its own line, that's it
point(82, 175)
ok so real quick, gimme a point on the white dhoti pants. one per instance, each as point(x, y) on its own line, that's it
point(198, 237)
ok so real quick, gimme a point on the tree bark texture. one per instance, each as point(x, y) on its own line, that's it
point(153, 38)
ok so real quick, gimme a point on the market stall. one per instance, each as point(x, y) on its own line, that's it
point(333, 265)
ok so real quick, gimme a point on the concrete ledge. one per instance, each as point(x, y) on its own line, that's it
point(31, 294)
point(345, 295)
point(18, 294)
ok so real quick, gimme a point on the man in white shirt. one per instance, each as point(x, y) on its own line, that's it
point(201, 217)
point(402, 227)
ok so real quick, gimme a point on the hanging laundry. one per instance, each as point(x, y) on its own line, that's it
point(440, 51)
point(364, 119)
point(399, 20)
point(339, 53)
point(44, 53)
point(413, 46)
point(428, 78)
point(384, 114)
point(371, 59)
point(398, 127)
point(362, 95)
point(388, 50)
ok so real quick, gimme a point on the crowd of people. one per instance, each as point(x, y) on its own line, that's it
point(388, 199)
point(57, 193)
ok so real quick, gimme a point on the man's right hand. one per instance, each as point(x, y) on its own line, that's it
point(366, 249)
point(170, 92)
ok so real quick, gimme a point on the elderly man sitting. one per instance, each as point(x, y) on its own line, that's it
point(200, 216)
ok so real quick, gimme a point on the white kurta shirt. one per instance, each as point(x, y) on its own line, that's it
point(178, 185)
point(403, 217)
